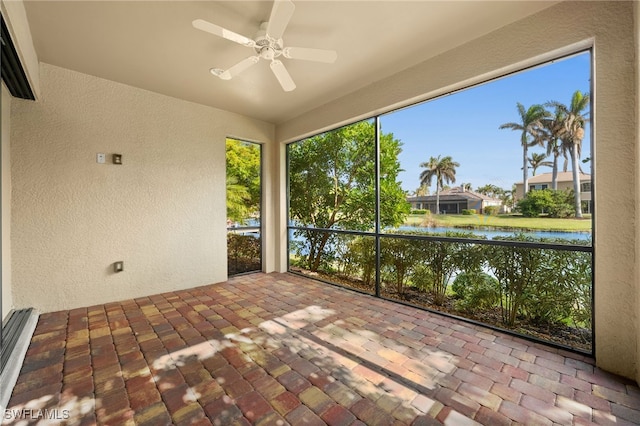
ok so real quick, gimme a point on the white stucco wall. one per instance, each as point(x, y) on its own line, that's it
point(563, 28)
point(162, 212)
point(5, 169)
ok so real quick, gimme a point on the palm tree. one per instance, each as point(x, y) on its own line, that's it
point(443, 169)
point(537, 160)
point(491, 190)
point(573, 124)
point(422, 191)
point(529, 125)
point(551, 133)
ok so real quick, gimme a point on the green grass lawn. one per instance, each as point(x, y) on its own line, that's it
point(504, 222)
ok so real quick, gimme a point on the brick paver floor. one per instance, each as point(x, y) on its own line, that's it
point(276, 349)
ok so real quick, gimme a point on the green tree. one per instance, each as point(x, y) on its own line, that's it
point(562, 205)
point(554, 203)
point(443, 170)
point(536, 202)
point(538, 160)
point(509, 197)
point(529, 125)
point(422, 190)
point(332, 185)
point(491, 190)
point(243, 179)
point(575, 117)
point(237, 200)
point(550, 132)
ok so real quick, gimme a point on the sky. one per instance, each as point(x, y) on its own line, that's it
point(465, 125)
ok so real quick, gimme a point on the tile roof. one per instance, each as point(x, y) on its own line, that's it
point(562, 177)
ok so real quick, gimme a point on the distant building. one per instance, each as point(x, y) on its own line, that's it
point(565, 182)
point(454, 200)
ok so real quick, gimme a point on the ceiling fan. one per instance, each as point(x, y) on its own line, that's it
point(268, 45)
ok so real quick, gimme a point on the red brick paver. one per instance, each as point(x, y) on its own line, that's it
point(277, 348)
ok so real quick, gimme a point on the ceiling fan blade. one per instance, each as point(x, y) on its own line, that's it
point(282, 75)
point(308, 54)
point(280, 15)
point(237, 68)
point(222, 32)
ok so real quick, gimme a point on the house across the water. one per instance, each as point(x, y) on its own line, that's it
point(454, 201)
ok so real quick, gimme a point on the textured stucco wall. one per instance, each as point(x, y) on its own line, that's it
point(162, 212)
point(5, 169)
point(563, 28)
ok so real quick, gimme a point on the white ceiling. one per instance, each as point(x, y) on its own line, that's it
point(152, 45)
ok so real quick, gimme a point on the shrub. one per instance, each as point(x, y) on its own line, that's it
point(468, 212)
point(419, 211)
point(555, 203)
point(361, 255)
point(579, 275)
point(476, 291)
point(445, 259)
point(243, 253)
point(562, 204)
point(422, 277)
point(243, 246)
point(542, 284)
point(520, 270)
point(536, 202)
point(491, 210)
point(564, 290)
point(398, 258)
point(314, 249)
point(460, 284)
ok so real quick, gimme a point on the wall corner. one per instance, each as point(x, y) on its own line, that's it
point(636, 317)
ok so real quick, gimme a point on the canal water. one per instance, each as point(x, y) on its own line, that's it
point(492, 233)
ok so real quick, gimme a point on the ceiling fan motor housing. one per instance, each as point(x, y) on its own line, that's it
point(266, 46)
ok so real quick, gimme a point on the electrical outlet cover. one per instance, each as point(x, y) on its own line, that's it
point(101, 158)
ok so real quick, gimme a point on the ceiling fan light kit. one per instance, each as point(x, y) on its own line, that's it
point(268, 45)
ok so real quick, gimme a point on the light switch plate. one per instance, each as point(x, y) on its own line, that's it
point(101, 158)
